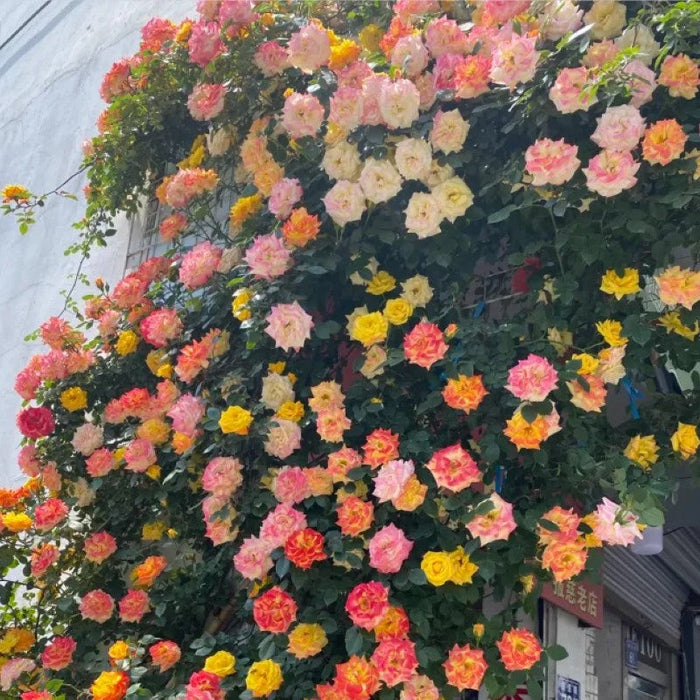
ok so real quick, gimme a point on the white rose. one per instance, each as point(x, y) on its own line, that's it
point(374, 361)
point(342, 162)
point(640, 36)
point(283, 437)
point(219, 141)
point(449, 131)
point(423, 215)
point(417, 290)
point(437, 174)
point(276, 390)
point(379, 180)
point(413, 158)
point(345, 202)
point(454, 198)
point(558, 18)
point(607, 17)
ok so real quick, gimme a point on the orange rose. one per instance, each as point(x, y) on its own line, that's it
point(520, 650)
point(144, 575)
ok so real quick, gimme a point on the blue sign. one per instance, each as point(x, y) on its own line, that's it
point(568, 689)
point(632, 654)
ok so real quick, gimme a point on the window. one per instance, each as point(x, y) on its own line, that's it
point(144, 237)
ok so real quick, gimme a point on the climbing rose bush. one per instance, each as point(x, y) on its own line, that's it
point(403, 357)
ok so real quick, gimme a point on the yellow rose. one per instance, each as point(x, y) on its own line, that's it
point(155, 430)
point(153, 531)
point(381, 283)
point(561, 341)
point(437, 567)
point(235, 419)
point(370, 36)
point(16, 522)
point(126, 343)
point(685, 440)
point(398, 311)
point(306, 640)
point(264, 677)
point(588, 362)
point(222, 664)
point(611, 332)
point(671, 321)
point(370, 328)
point(291, 410)
point(462, 567)
point(16, 639)
point(118, 651)
point(620, 285)
point(643, 450)
point(153, 472)
point(478, 630)
point(74, 399)
point(276, 367)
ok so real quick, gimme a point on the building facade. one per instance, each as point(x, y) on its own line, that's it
point(53, 55)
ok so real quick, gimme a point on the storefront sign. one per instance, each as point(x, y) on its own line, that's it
point(649, 650)
point(632, 654)
point(580, 598)
point(568, 689)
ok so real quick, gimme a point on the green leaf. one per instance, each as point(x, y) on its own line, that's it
point(502, 214)
point(556, 652)
point(353, 641)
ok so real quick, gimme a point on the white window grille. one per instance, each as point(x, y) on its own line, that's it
point(144, 235)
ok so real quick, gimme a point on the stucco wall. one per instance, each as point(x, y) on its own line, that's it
point(50, 73)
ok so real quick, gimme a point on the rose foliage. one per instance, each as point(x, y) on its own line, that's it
point(406, 358)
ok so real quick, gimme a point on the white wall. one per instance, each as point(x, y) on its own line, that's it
point(50, 73)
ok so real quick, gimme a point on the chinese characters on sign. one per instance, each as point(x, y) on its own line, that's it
point(568, 689)
point(580, 598)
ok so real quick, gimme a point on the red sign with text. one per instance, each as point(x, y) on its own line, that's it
point(580, 598)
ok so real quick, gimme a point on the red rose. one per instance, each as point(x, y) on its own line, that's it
point(35, 422)
point(304, 547)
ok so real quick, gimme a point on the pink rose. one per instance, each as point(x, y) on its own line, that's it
point(372, 87)
point(532, 379)
point(443, 35)
point(392, 479)
point(497, 524)
point(449, 131)
point(283, 437)
point(614, 524)
point(514, 61)
point(100, 463)
point(186, 414)
point(285, 194)
point(346, 108)
point(36, 422)
point(222, 476)
point(87, 438)
point(280, 523)
point(619, 128)
point(289, 326)
point(345, 202)
point(267, 257)
point(97, 606)
point(568, 92)
point(551, 162)
point(271, 58)
point(99, 547)
point(309, 48)
point(398, 103)
point(611, 172)
point(454, 468)
point(389, 549)
point(199, 264)
point(49, 514)
point(424, 345)
point(206, 101)
point(252, 561)
point(160, 327)
point(133, 606)
point(58, 653)
point(410, 55)
point(291, 485)
point(205, 42)
point(642, 82)
point(302, 115)
point(139, 455)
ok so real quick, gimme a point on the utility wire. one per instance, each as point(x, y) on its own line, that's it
point(24, 24)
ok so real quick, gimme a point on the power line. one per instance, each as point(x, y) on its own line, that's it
point(24, 24)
